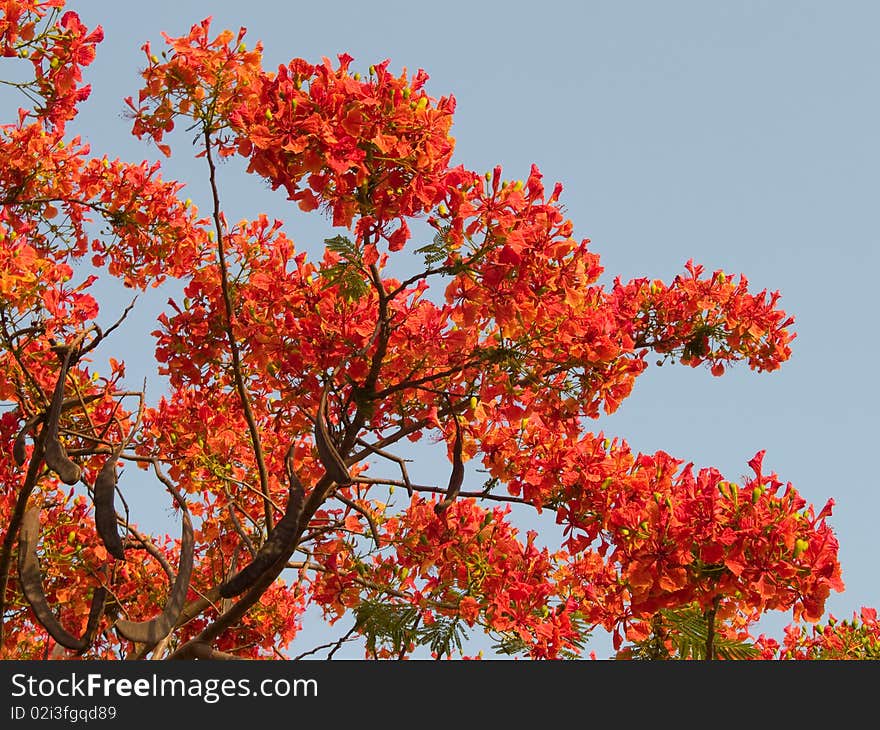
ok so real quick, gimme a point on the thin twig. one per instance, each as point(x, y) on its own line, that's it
point(385, 392)
point(244, 485)
point(405, 431)
point(367, 516)
point(233, 344)
point(150, 547)
point(241, 533)
point(391, 457)
point(102, 335)
point(442, 490)
point(333, 645)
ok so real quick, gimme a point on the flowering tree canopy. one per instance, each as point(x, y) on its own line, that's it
point(291, 380)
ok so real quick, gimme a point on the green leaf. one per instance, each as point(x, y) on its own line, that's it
point(438, 250)
point(398, 626)
point(510, 643)
point(688, 629)
point(442, 636)
point(386, 624)
point(348, 273)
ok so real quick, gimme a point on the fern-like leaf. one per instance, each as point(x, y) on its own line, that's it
point(510, 643)
point(438, 250)
point(442, 636)
point(348, 272)
point(690, 632)
point(386, 624)
point(398, 627)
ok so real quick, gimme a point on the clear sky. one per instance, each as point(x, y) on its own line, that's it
point(741, 134)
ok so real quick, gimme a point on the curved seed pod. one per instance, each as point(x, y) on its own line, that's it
point(99, 600)
point(152, 631)
point(57, 460)
point(55, 455)
point(19, 447)
point(457, 476)
point(32, 587)
point(19, 452)
point(105, 511)
point(327, 453)
point(282, 536)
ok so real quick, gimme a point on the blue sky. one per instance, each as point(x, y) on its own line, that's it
point(740, 134)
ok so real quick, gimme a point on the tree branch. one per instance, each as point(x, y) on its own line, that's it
point(233, 344)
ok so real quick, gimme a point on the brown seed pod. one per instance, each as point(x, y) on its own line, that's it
point(55, 455)
point(19, 447)
point(105, 510)
point(457, 476)
point(282, 536)
point(32, 586)
point(154, 630)
point(327, 453)
point(57, 460)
